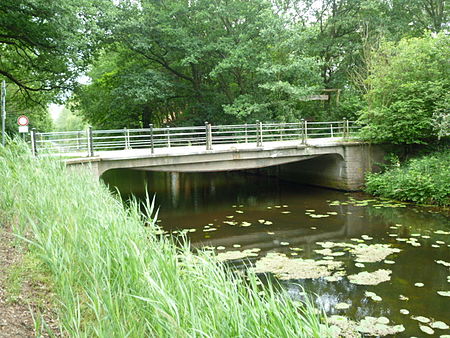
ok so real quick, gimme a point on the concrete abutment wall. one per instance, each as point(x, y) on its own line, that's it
point(343, 170)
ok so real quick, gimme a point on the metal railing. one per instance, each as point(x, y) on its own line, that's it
point(88, 142)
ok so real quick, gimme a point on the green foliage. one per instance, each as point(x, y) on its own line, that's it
point(423, 180)
point(44, 47)
point(45, 44)
point(192, 62)
point(115, 277)
point(409, 83)
point(187, 62)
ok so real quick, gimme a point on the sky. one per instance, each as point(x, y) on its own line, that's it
point(55, 110)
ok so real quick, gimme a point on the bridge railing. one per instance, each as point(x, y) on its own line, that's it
point(88, 142)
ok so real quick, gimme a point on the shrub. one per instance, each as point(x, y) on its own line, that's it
point(424, 180)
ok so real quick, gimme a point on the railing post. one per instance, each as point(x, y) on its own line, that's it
point(332, 135)
point(78, 140)
point(344, 128)
point(152, 146)
point(127, 138)
point(304, 130)
point(208, 136)
point(281, 131)
point(168, 136)
point(33, 142)
point(259, 138)
point(246, 133)
point(90, 142)
point(347, 129)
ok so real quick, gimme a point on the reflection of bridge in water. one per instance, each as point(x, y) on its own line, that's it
point(349, 226)
point(322, 153)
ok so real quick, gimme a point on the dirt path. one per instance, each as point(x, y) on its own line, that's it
point(29, 295)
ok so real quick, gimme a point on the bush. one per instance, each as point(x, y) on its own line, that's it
point(424, 180)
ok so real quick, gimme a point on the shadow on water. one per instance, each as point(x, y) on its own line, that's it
point(204, 201)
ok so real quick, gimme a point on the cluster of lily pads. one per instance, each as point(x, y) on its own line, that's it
point(286, 266)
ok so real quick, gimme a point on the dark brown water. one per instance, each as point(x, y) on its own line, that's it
point(203, 201)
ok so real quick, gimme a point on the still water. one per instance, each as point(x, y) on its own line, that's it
point(236, 211)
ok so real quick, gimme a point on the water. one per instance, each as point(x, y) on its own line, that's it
point(203, 201)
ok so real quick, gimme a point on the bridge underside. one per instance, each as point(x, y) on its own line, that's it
point(226, 165)
point(335, 165)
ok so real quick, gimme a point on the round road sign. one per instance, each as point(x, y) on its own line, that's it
point(22, 120)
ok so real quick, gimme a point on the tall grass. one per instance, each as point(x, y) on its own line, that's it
point(115, 278)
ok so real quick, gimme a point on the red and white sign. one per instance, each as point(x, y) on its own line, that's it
point(22, 121)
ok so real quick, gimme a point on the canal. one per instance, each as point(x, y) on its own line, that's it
point(373, 265)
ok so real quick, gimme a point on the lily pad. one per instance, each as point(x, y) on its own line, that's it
point(404, 312)
point(426, 329)
point(402, 297)
point(439, 325)
point(444, 293)
point(444, 263)
point(342, 306)
point(373, 252)
point(373, 296)
point(295, 268)
point(442, 232)
point(421, 319)
point(378, 327)
point(370, 278)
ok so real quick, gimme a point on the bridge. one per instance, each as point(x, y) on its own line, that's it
point(321, 153)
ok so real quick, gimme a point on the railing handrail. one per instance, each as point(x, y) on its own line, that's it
point(88, 141)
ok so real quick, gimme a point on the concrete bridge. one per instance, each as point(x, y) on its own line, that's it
point(318, 153)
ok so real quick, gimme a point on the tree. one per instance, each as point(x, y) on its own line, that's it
point(44, 47)
point(195, 61)
point(45, 44)
point(409, 83)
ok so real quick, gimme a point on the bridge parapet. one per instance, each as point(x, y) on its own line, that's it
point(88, 143)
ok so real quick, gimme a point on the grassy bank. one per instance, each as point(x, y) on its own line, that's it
point(115, 278)
point(424, 180)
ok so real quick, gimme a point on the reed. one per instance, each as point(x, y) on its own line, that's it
point(115, 277)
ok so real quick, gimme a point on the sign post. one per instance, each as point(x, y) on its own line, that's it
point(3, 111)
